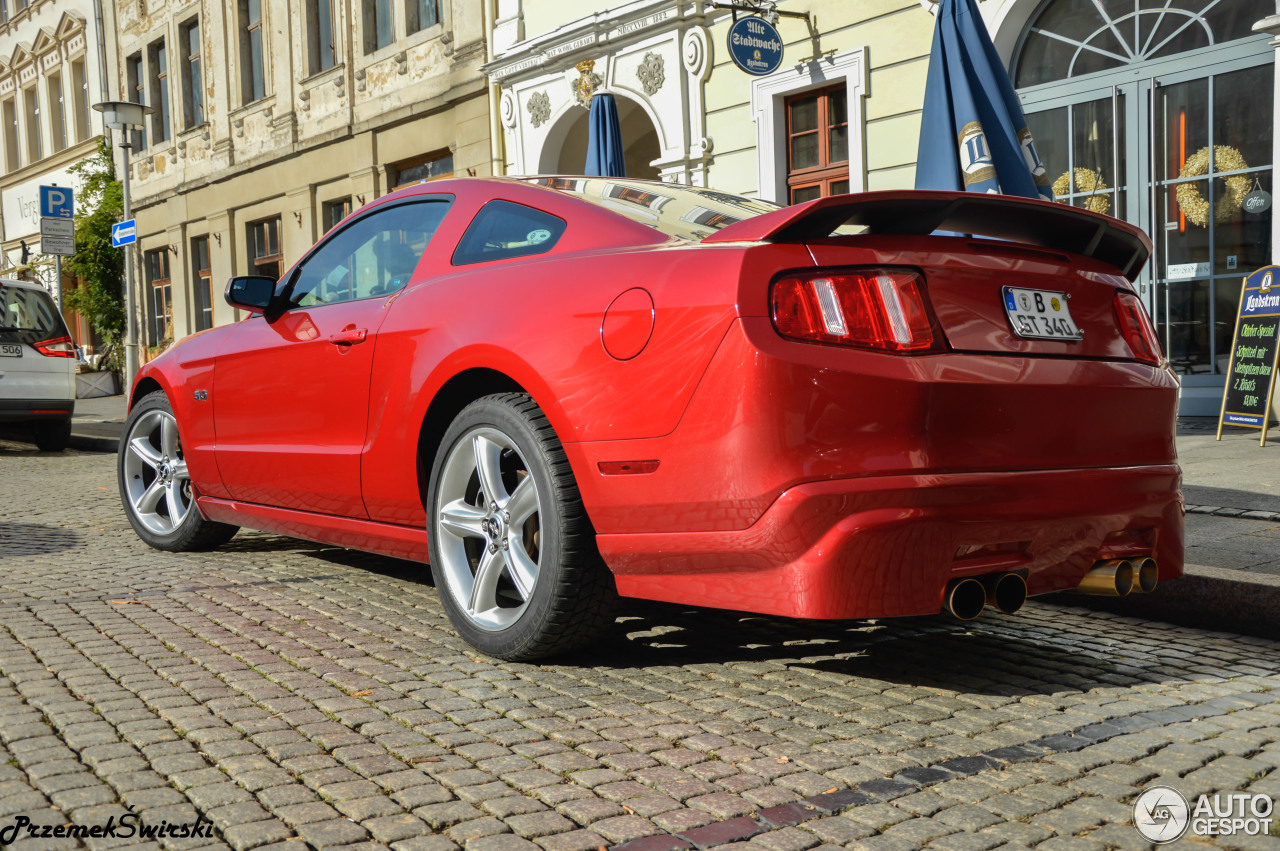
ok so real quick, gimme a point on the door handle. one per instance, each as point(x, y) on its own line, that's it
point(349, 336)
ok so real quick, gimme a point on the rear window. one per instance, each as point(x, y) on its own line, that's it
point(685, 212)
point(28, 316)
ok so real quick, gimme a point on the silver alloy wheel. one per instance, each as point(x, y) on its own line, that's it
point(488, 528)
point(156, 478)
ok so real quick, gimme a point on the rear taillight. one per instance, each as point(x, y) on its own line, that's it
point(881, 309)
point(1136, 328)
point(58, 347)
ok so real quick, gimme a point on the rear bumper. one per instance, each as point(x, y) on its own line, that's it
point(887, 546)
point(34, 410)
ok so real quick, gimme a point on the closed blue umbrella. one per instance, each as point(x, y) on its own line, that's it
point(604, 140)
point(973, 135)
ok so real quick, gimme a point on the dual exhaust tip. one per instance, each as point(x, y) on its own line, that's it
point(965, 598)
point(1121, 576)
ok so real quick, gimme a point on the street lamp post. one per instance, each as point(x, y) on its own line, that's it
point(124, 116)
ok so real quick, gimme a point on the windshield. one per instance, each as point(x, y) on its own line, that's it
point(686, 212)
point(28, 316)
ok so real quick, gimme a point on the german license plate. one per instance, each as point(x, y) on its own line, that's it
point(1040, 314)
point(10, 350)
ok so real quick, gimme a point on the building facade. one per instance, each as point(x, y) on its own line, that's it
point(1159, 113)
point(52, 69)
point(272, 121)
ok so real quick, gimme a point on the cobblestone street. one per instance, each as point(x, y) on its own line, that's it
point(295, 693)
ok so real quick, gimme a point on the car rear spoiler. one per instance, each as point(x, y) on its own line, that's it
point(908, 212)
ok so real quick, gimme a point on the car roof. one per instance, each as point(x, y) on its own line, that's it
point(26, 285)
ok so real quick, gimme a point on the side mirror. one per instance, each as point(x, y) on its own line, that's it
point(253, 293)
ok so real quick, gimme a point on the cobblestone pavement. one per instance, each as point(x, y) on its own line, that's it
point(292, 694)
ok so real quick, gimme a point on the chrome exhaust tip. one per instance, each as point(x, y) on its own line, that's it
point(1113, 578)
point(1146, 575)
point(1006, 592)
point(965, 598)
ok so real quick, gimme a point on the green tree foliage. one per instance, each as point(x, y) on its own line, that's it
point(96, 263)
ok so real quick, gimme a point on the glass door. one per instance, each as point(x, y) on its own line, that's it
point(1175, 153)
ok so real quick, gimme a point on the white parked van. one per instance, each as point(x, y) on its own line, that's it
point(37, 367)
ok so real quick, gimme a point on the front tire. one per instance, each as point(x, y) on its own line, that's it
point(155, 486)
point(512, 551)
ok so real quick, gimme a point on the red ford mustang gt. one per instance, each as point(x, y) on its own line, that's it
point(562, 390)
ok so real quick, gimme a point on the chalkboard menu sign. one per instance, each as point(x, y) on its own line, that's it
point(1246, 400)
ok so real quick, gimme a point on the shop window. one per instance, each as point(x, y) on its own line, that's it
point(322, 53)
point(201, 283)
point(818, 144)
point(335, 211)
point(264, 248)
point(430, 167)
point(377, 25)
point(192, 84)
point(159, 55)
point(420, 14)
point(156, 265)
point(253, 72)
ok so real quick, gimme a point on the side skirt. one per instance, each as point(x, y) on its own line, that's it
point(405, 542)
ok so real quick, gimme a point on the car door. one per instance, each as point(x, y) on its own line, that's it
point(291, 393)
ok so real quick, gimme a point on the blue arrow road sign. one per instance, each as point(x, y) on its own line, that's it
point(57, 202)
point(125, 233)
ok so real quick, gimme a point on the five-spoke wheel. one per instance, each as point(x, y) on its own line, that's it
point(512, 550)
point(155, 486)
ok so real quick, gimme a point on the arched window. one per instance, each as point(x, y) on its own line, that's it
point(1070, 38)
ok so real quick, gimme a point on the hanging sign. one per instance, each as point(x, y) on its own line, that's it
point(1246, 399)
point(755, 45)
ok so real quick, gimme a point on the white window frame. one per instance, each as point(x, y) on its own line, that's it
point(768, 104)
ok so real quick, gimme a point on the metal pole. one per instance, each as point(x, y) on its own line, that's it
point(130, 331)
point(57, 280)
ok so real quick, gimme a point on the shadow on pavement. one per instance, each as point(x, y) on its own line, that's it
point(29, 539)
point(1229, 498)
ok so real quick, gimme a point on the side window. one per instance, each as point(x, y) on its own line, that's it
point(502, 229)
point(372, 257)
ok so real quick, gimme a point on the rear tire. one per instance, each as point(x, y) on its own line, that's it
point(513, 553)
point(154, 485)
point(53, 435)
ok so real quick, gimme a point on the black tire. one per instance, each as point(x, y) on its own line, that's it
point(53, 435)
point(193, 532)
point(573, 597)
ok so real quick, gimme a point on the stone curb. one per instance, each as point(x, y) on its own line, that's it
point(1244, 513)
point(1213, 598)
point(912, 780)
point(94, 443)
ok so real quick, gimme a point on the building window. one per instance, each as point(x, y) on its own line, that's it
point(430, 167)
point(335, 211)
point(12, 159)
point(264, 248)
point(377, 24)
point(57, 114)
point(156, 264)
point(80, 100)
point(202, 283)
point(420, 14)
point(4, 11)
point(192, 85)
point(818, 144)
point(322, 53)
point(136, 92)
point(253, 75)
point(31, 112)
point(160, 91)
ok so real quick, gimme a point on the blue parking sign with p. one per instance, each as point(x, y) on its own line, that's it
point(57, 202)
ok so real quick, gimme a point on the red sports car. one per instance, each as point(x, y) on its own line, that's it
point(561, 390)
